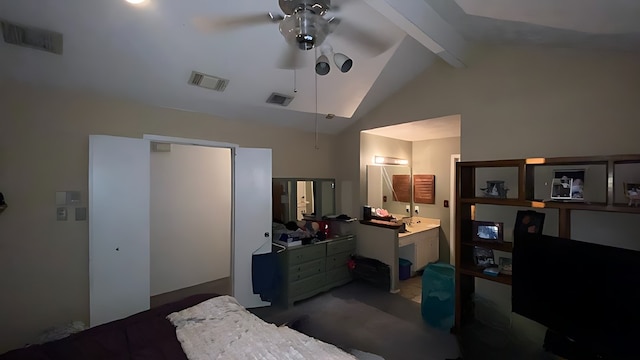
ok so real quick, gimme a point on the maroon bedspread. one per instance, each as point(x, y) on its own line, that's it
point(146, 335)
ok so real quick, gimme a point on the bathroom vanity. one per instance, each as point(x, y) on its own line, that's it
point(384, 241)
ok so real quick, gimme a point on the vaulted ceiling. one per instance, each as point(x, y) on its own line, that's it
point(147, 52)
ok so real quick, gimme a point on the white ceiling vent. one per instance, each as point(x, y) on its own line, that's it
point(31, 37)
point(279, 99)
point(208, 81)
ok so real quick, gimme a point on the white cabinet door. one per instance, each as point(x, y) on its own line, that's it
point(433, 245)
point(252, 207)
point(118, 227)
point(427, 248)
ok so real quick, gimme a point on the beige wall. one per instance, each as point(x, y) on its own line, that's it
point(190, 217)
point(370, 146)
point(433, 157)
point(518, 102)
point(515, 102)
point(44, 148)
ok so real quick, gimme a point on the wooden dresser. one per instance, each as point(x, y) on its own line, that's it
point(311, 269)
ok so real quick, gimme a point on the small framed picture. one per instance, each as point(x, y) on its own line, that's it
point(483, 257)
point(528, 222)
point(568, 185)
point(505, 266)
point(487, 231)
point(632, 193)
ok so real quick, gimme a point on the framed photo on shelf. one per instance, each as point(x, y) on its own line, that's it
point(483, 257)
point(528, 222)
point(632, 193)
point(487, 231)
point(505, 265)
point(568, 185)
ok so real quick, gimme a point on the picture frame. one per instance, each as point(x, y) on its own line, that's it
point(632, 193)
point(505, 265)
point(568, 185)
point(528, 222)
point(483, 257)
point(487, 231)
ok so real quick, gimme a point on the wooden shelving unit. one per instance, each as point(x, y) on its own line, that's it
point(467, 197)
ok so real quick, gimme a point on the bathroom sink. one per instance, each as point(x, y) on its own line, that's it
point(403, 229)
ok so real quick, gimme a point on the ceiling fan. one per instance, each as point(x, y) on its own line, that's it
point(305, 25)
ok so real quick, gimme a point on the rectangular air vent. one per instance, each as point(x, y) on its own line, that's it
point(279, 99)
point(208, 81)
point(31, 37)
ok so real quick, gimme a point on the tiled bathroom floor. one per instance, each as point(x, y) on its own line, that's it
point(412, 288)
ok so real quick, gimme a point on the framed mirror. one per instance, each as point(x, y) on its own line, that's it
point(389, 187)
point(294, 199)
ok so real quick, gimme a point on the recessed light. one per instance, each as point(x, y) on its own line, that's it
point(135, 2)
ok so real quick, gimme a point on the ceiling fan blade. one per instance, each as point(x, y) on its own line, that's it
point(290, 58)
point(371, 43)
point(209, 24)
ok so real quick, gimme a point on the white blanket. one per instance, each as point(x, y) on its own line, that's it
point(220, 328)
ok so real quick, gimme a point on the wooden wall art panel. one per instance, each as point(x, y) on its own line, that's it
point(424, 189)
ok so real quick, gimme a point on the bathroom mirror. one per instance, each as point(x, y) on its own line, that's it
point(293, 199)
point(389, 187)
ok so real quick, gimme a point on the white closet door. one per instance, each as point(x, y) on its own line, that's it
point(252, 220)
point(119, 274)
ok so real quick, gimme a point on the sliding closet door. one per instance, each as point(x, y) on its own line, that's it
point(252, 219)
point(118, 227)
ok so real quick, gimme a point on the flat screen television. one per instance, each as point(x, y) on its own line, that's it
point(587, 293)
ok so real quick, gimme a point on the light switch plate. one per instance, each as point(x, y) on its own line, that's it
point(61, 198)
point(73, 197)
point(416, 209)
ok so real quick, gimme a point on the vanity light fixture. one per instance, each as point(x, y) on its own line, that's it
point(387, 160)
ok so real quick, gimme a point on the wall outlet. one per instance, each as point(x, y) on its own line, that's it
point(61, 214)
point(408, 208)
point(416, 209)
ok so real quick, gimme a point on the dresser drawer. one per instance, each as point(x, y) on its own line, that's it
point(338, 260)
point(307, 285)
point(306, 253)
point(341, 274)
point(339, 246)
point(307, 269)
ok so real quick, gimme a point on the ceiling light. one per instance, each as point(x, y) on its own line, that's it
point(343, 62)
point(387, 160)
point(135, 2)
point(322, 65)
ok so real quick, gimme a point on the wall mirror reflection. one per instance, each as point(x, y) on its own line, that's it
point(295, 199)
point(389, 187)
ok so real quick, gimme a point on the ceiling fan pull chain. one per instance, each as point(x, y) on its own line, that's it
point(295, 81)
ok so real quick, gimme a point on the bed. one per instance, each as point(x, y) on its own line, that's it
point(203, 326)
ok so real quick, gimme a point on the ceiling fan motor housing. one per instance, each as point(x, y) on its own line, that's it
point(318, 7)
point(304, 24)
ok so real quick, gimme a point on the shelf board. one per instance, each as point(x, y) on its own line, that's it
point(477, 272)
point(592, 206)
point(572, 205)
point(508, 202)
point(502, 246)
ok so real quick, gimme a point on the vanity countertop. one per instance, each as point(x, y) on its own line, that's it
point(419, 224)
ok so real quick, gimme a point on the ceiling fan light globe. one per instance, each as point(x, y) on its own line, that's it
point(343, 62)
point(322, 65)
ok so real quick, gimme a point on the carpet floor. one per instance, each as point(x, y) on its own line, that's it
point(359, 316)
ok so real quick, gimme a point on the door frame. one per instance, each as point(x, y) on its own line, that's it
point(452, 208)
point(214, 144)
